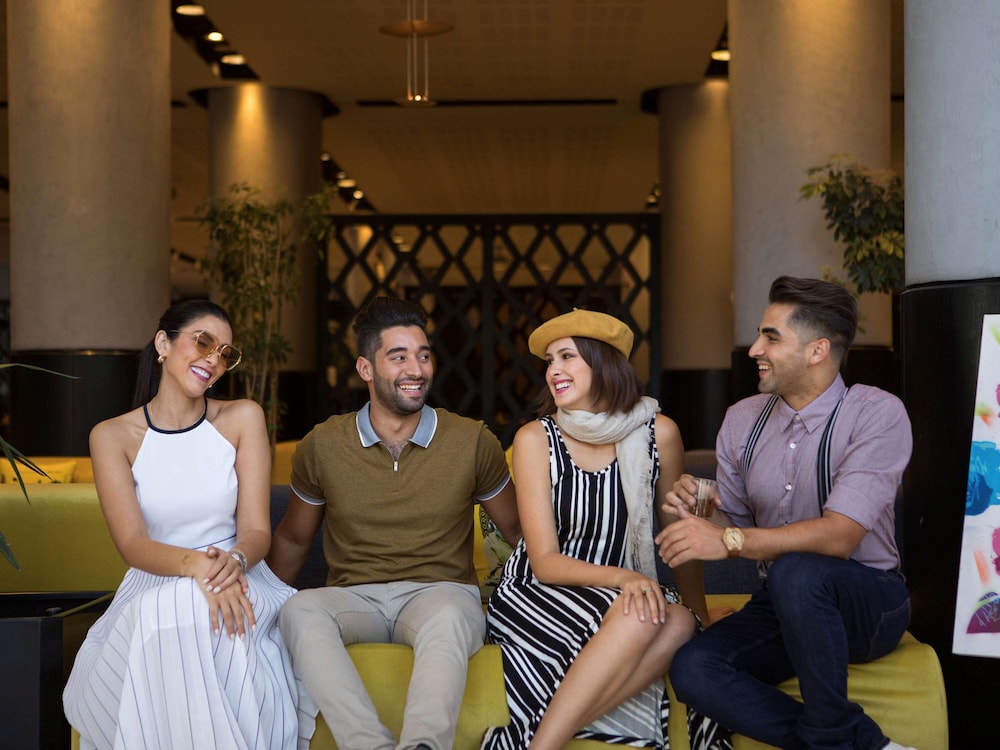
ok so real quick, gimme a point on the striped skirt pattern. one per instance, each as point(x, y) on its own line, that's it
point(560, 621)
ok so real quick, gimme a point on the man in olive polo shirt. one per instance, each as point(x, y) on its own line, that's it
point(394, 485)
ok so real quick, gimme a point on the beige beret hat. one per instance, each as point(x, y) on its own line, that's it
point(586, 323)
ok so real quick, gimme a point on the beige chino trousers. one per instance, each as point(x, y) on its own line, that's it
point(442, 622)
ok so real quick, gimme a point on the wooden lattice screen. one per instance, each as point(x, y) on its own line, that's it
point(486, 283)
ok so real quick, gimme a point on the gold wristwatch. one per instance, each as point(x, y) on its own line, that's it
point(733, 539)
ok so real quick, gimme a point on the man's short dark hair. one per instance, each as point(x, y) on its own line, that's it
point(826, 310)
point(380, 314)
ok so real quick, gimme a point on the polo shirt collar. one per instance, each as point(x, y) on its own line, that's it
point(422, 436)
point(816, 412)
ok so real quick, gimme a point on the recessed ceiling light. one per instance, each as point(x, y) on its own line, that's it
point(722, 55)
point(189, 10)
point(214, 36)
point(233, 58)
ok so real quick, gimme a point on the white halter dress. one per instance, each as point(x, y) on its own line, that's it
point(150, 673)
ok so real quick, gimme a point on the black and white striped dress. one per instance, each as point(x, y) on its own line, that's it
point(150, 673)
point(542, 628)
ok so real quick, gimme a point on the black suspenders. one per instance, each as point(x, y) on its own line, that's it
point(824, 477)
point(758, 427)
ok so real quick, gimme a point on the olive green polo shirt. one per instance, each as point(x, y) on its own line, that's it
point(405, 520)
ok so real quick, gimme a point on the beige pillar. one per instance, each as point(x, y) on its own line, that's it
point(89, 142)
point(808, 80)
point(952, 144)
point(89, 93)
point(271, 138)
point(696, 227)
point(697, 257)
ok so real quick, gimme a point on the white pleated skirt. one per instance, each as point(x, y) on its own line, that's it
point(151, 675)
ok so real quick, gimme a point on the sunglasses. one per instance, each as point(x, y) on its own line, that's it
point(207, 345)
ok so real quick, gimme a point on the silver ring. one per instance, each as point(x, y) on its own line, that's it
point(647, 590)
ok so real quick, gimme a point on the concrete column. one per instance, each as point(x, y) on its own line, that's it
point(271, 138)
point(697, 257)
point(807, 80)
point(952, 266)
point(89, 109)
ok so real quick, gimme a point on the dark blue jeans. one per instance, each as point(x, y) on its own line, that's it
point(816, 615)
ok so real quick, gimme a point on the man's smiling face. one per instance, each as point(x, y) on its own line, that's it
point(781, 355)
point(402, 370)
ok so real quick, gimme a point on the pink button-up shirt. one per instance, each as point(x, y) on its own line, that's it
point(869, 448)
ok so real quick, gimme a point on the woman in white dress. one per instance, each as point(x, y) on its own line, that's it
point(188, 654)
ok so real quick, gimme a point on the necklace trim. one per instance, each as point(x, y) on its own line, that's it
point(154, 428)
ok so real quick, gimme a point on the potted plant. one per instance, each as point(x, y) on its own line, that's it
point(255, 270)
point(864, 208)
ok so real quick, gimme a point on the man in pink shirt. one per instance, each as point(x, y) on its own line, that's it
point(807, 477)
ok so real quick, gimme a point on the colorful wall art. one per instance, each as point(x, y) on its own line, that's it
point(977, 609)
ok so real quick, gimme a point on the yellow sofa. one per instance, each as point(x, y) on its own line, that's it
point(62, 543)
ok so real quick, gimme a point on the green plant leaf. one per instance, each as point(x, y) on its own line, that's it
point(864, 208)
point(8, 553)
point(15, 457)
point(256, 245)
point(5, 365)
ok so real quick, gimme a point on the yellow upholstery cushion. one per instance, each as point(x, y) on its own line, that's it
point(84, 470)
point(82, 473)
point(59, 538)
point(385, 669)
point(903, 692)
point(281, 466)
point(59, 470)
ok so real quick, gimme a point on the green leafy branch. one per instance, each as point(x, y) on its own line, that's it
point(255, 268)
point(864, 208)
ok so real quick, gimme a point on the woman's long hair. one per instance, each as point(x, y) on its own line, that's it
point(173, 320)
point(614, 381)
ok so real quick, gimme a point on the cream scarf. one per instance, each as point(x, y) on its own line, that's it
point(631, 438)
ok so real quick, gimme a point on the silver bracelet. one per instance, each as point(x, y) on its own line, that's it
point(239, 557)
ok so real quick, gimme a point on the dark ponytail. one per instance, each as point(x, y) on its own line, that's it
point(173, 320)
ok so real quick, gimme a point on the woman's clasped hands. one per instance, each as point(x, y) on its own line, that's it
point(222, 580)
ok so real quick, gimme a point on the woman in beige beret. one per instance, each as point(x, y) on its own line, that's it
point(587, 631)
